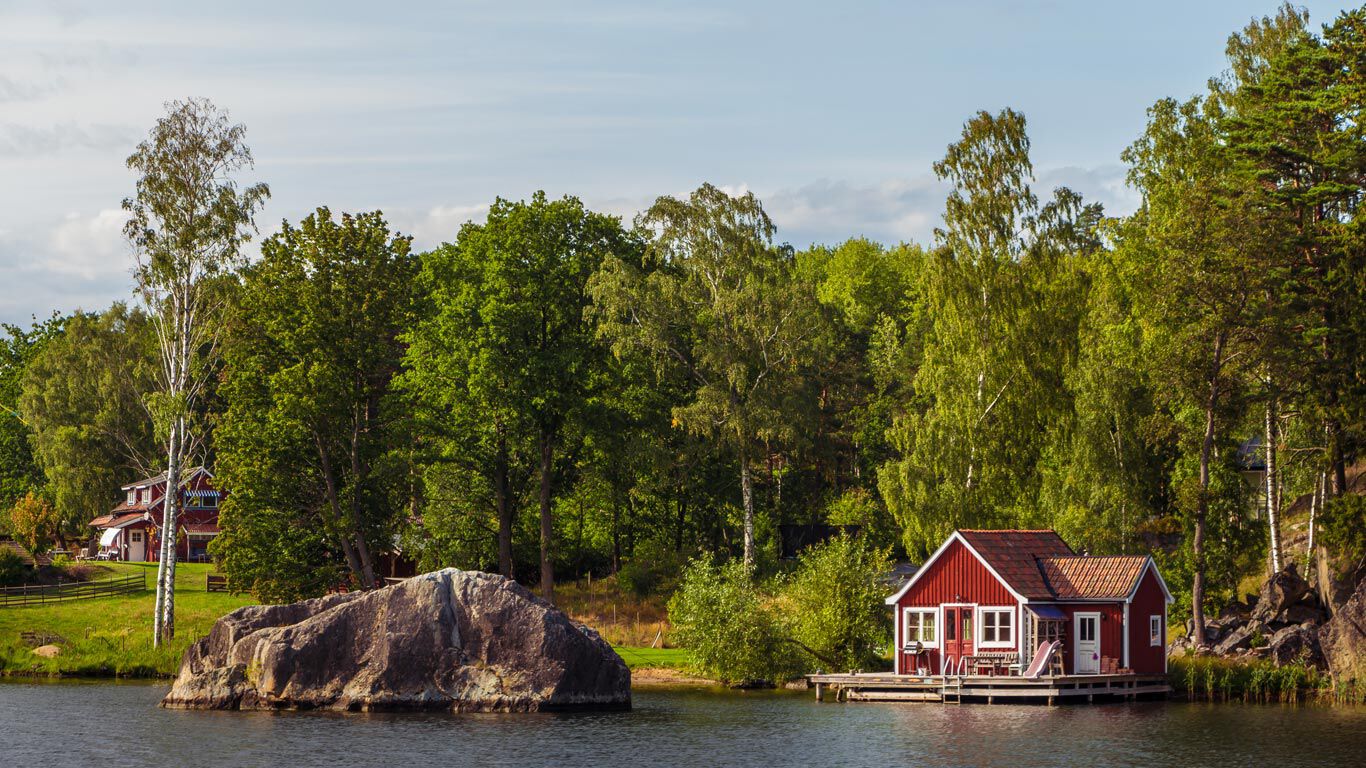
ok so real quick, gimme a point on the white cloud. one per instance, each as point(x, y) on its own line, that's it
point(833, 210)
point(89, 247)
point(434, 226)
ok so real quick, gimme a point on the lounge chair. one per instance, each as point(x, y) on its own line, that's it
point(1041, 659)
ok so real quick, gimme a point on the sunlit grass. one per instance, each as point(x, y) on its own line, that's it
point(112, 636)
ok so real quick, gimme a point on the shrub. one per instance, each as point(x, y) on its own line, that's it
point(13, 569)
point(721, 617)
point(833, 603)
point(654, 569)
point(1343, 527)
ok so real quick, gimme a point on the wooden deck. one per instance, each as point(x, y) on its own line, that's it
point(991, 689)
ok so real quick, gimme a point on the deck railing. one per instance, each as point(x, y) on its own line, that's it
point(15, 597)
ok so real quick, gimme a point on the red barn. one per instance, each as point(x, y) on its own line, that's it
point(131, 531)
point(984, 593)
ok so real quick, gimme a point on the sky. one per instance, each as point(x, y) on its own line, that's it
point(831, 112)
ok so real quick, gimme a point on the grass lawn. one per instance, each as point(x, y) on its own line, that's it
point(112, 636)
point(654, 658)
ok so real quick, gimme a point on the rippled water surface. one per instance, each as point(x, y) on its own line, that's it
point(106, 725)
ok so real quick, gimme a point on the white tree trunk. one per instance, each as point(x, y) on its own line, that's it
point(1273, 498)
point(747, 499)
point(163, 618)
point(1315, 501)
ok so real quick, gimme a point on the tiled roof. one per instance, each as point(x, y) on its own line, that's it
point(1014, 555)
point(1092, 577)
point(115, 519)
point(186, 476)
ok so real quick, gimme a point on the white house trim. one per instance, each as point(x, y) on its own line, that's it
point(1125, 630)
point(1150, 565)
point(980, 636)
point(955, 536)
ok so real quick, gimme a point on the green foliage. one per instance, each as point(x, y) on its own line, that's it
point(33, 522)
point(654, 569)
point(1343, 527)
point(731, 630)
point(13, 570)
point(1212, 678)
point(83, 397)
point(833, 603)
point(311, 446)
point(20, 471)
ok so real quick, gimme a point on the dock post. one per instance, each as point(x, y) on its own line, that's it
point(820, 692)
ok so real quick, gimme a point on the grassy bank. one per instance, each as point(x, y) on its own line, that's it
point(1209, 678)
point(619, 616)
point(112, 636)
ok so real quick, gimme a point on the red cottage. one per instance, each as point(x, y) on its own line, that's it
point(131, 531)
point(1000, 594)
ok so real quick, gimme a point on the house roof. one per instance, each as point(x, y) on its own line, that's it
point(1083, 577)
point(1038, 566)
point(116, 519)
point(188, 475)
point(1014, 557)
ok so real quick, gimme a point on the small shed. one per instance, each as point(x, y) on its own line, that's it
point(1001, 593)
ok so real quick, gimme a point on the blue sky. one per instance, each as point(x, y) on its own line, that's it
point(831, 112)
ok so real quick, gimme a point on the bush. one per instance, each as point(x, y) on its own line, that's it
point(834, 603)
point(13, 570)
point(1343, 527)
point(721, 617)
point(654, 569)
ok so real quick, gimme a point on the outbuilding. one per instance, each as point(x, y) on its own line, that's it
point(991, 597)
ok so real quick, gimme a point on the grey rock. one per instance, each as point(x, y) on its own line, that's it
point(448, 640)
point(1298, 643)
point(1279, 593)
point(1237, 640)
point(1343, 639)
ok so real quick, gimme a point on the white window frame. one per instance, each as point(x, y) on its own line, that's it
point(980, 633)
point(906, 638)
point(132, 496)
point(1155, 631)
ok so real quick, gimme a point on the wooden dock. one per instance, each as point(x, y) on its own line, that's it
point(990, 689)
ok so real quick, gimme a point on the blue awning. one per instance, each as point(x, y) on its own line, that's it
point(1048, 612)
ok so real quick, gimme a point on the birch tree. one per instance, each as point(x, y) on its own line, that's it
point(715, 300)
point(188, 220)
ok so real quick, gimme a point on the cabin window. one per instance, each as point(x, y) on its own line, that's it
point(998, 627)
point(1155, 631)
point(132, 497)
point(921, 628)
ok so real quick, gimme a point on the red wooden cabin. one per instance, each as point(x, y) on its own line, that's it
point(984, 593)
point(131, 531)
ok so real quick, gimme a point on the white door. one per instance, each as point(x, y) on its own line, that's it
point(137, 546)
point(1086, 648)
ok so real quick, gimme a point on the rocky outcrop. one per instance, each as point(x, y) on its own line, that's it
point(448, 640)
point(1343, 639)
point(1280, 623)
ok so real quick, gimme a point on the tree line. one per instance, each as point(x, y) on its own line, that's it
point(555, 392)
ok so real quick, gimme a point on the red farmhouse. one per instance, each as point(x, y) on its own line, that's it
point(984, 593)
point(131, 531)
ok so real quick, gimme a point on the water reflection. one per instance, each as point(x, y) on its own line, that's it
point(119, 725)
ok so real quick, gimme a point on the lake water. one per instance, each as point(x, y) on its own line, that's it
point(105, 725)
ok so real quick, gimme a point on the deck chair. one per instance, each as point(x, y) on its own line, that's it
point(1041, 658)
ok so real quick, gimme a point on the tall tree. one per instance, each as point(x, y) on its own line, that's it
point(188, 220)
point(716, 300)
point(20, 471)
point(1003, 325)
point(507, 353)
point(83, 397)
point(308, 437)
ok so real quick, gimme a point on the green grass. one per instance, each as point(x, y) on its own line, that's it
point(655, 658)
point(112, 636)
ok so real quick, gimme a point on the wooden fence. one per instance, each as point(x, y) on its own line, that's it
point(11, 597)
point(214, 582)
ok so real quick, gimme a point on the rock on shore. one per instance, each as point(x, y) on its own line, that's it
point(447, 640)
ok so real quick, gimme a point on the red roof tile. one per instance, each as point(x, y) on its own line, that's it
point(1014, 555)
point(1092, 577)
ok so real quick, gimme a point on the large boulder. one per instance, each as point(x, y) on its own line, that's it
point(448, 640)
point(1296, 644)
point(1280, 592)
point(1343, 639)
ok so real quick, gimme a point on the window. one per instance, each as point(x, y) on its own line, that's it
point(137, 536)
point(920, 627)
point(132, 497)
point(1155, 631)
point(998, 627)
point(1086, 629)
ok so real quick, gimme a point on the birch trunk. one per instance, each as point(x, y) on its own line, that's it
point(1273, 501)
point(1315, 499)
point(747, 500)
point(163, 620)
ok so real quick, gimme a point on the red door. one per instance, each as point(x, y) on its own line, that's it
point(957, 636)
